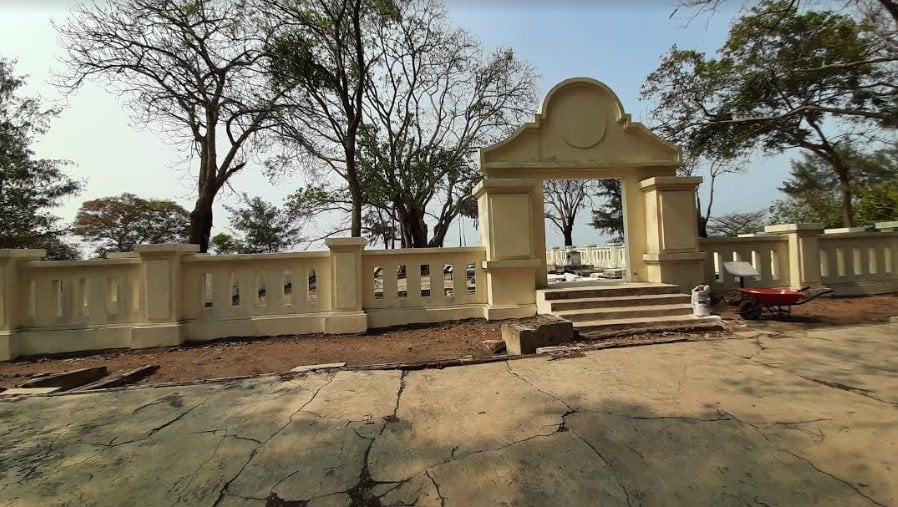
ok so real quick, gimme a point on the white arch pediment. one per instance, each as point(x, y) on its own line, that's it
point(581, 124)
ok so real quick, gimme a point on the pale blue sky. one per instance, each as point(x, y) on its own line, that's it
point(615, 41)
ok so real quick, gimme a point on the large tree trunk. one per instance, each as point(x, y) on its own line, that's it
point(355, 191)
point(201, 223)
point(568, 232)
point(414, 228)
point(847, 208)
point(844, 188)
point(439, 234)
point(201, 216)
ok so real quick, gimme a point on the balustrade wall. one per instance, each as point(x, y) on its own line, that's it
point(65, 306)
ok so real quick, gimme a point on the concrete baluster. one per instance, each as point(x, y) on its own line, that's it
point(12, 297)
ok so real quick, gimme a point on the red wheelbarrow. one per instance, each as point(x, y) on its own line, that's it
point(777, 302)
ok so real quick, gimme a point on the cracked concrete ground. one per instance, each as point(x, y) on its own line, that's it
point(790, 420)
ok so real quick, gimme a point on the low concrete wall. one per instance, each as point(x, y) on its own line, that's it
point(852, 262)
point(164, 295)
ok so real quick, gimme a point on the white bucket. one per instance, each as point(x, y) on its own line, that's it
point(701, 301)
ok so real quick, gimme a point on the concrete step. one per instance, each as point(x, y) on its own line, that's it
point(618, 301)
point(627, 312)
point(591, 327)
point(602, 292)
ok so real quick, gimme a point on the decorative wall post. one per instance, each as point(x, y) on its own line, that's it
point(671, 229)
point(511, 214)
point(347, 314)
point(12, 297)
point(162, 287)
point(804, 252)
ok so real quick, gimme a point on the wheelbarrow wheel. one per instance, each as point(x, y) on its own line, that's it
point(750, 309)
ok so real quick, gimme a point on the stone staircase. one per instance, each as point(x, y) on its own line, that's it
point(610, 308)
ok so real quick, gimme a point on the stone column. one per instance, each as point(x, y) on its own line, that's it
point(671, 231)
point(347, 314)
point(12, 297)
point(804, 252)
point(513, 233)
point(162, 288)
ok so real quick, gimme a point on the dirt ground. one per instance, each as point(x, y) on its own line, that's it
point(238, 357)
point(825, 312)
point(452, 340)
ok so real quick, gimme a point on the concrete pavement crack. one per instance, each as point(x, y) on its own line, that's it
point(571, 409)
point(178, 418)
point(360, 493)
point(437, 487)
point(824, 472)
point(226, 485)
point(835, 385)
point(193, 475)
point(614, 473)
point(759, 431)
point(667, 417)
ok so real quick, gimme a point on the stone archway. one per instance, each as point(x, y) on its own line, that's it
point(582, 132)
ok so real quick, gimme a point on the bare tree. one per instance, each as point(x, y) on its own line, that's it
point(432, 99)
point(195, 67)
point(733, 224)
point(322, 53)
point(564, 199)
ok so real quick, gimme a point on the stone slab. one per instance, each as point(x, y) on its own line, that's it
point(316, 367)
point(520, 339)
point(28, 391)
point(807, 418)
point(68, 379)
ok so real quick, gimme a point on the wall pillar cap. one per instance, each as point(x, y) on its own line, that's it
point(345, 243)
point(844, 230)
point(504, 184)
point(163, 248)
point(790, 228)
point(22, 253)
point(670, 182)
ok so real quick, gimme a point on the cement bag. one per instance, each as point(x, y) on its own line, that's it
point(701, 301)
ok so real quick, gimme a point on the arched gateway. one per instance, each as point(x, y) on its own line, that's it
point(581, 131)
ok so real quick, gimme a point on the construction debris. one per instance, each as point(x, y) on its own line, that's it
point(68, 379)
point(28, 391)
point(129, 377)
point(314, 367)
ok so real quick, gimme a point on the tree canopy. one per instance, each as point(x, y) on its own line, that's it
point(608, 215)
point(29, 186)
point(785, 78)
point(812, 194)
point(434, 96)
point(195, 68)
point(118, 224)
point(263, 228)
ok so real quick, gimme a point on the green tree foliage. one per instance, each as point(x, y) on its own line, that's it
point(812, 190)
point(118, 224)
point(396, 109)
point(785, 78)
point(608, 217)
point(322, 53)
point(193, 67)
point(223, 243)
point(434, 96)
point(29, 186)
point(264, 227)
